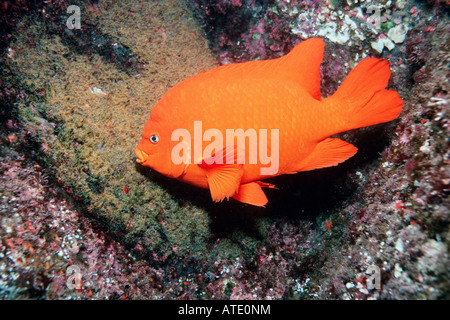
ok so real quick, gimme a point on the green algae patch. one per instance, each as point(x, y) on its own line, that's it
point(93, 114)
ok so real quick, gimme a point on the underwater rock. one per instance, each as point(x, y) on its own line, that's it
point(398, 33)
point(381, 43)
point(325, 234)
point(90, 136)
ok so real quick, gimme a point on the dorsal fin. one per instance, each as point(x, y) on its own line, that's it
point(301, 65)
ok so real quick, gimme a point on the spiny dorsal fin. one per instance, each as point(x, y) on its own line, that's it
point(301, 65)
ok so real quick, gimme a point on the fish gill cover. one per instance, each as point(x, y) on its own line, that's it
point(74, 202)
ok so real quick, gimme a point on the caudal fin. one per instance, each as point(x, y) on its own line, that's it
point(362, 99)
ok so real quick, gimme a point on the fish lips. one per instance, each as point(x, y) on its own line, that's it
point(141, 156)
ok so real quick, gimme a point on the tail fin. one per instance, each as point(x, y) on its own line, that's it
point(362, 99)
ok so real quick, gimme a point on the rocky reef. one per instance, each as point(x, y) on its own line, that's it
point(79, 219)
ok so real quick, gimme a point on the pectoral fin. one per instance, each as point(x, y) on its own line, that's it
point(223, 179)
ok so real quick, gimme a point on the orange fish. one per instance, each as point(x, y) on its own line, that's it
point(227, 128)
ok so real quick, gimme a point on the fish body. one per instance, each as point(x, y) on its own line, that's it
point(275, 105)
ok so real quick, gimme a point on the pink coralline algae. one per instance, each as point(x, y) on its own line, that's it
point(245, 30)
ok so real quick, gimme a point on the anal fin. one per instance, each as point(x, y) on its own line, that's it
point(252, 193)
point(327, 153)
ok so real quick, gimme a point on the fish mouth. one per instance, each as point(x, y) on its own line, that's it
point(141, 156)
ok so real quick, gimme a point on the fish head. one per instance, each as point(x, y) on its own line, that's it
point(154, 149)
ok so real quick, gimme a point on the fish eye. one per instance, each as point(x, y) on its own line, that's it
point(154, 138)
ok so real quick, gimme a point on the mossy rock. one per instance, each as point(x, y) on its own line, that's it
point(93, 114)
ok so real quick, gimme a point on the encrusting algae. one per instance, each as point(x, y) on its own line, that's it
point(98, 111)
